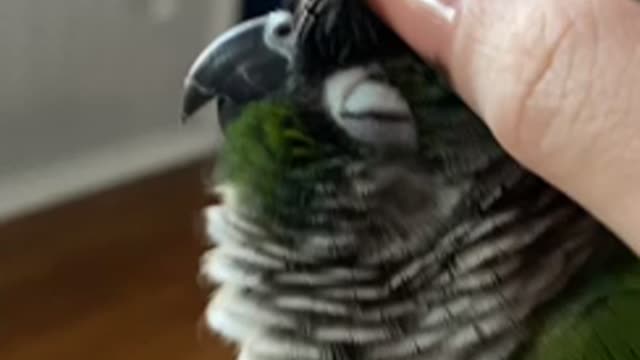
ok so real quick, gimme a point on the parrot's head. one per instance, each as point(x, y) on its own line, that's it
point(314, 94)
point(326, 85)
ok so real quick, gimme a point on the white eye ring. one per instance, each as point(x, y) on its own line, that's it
point(279, 34)
point(369, 110)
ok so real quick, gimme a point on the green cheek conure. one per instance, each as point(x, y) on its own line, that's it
point(368, 214)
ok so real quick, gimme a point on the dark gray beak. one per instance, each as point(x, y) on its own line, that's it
point(236, 69)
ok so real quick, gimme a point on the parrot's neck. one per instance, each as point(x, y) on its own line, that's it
point(412, 266)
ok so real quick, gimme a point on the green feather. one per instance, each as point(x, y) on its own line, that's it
point(598, 318)
point(277, 164)
point(262, 147)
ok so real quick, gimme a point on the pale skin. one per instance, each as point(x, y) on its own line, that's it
point(558, 82)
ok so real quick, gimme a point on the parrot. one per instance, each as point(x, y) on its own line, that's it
point(367, 213)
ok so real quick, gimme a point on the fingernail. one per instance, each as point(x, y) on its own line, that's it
point(445, 9)
point(426, 25)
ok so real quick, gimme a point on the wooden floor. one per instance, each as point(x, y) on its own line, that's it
point(113, 276)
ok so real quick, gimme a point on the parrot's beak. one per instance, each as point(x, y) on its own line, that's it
point(237, 68)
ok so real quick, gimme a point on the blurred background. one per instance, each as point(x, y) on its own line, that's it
point(100, 185)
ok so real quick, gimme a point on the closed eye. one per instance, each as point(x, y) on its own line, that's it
point(378, 115)
point(375, 98)
point(369, 109)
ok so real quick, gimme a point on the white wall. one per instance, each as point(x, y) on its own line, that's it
point(90, 93)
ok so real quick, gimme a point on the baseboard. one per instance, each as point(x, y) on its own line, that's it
point(48, 186)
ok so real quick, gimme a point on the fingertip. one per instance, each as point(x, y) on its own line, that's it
point(426, 25)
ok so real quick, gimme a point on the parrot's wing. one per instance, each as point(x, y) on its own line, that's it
point(600, 321)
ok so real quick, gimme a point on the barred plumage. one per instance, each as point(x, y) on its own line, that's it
point(435, 279)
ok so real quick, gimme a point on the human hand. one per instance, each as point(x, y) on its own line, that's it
point(558, 82)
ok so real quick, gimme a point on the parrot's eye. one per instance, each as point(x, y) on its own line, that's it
point(283, 30)
point(369, 109)
point(279, 34)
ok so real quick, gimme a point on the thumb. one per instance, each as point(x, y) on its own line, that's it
point(556, 81)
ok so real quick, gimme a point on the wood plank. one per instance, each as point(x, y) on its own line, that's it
point(113, 276)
